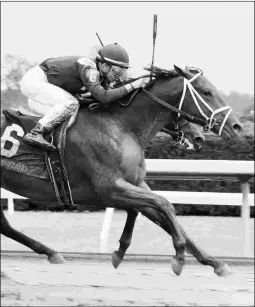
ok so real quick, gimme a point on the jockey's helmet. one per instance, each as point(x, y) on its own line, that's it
point(114, 54)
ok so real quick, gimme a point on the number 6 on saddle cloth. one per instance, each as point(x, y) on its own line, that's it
point(31, 161)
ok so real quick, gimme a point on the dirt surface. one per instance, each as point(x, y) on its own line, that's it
point(30, 281)
point(35, 282)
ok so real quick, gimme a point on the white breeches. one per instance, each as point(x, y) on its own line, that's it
point(47, 99)
point(43, 95)
point(38, 108)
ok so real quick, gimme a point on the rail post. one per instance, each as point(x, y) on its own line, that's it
point(105, 230)
point(10, 206)
point(245, 213)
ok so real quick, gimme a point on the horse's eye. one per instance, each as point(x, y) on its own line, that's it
point(208, 93)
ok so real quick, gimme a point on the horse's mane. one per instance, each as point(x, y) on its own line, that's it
point(158, 72)
point(155, 72)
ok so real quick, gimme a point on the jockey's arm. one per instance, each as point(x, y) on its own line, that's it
point(91, 79)
point(106, 96)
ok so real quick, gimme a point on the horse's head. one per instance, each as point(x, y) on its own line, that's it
point(192, 96)
point(193, 134)
point(199, 98)
point(185, 134)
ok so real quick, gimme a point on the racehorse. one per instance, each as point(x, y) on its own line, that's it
point(104, 155)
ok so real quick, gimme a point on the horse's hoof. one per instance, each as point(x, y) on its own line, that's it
point(176, 266)
point(223, 270)
point(116, 259)
point(56, 259)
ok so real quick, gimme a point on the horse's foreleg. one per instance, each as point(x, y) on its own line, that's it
point(127, 196)
point(126, 237)
point(204, 258)
point(37, 247)
point(220, 268)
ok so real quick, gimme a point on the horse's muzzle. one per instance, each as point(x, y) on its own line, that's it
point(229, 131)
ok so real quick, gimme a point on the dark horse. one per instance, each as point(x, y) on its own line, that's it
point(105, 161)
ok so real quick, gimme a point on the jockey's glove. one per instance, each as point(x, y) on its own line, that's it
point(140, 83)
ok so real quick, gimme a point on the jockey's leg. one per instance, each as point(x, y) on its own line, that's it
point(38, 108)
point(62, 105)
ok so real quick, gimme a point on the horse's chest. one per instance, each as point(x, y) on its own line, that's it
point(132, 155)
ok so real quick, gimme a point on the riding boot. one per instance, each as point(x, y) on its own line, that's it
point(55, 116)
point(35, 138)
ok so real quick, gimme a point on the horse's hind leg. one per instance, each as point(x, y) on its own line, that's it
point(37, 247)
point(126, 237)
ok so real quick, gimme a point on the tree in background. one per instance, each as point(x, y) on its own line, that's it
point(240, 102)
point(13, 67)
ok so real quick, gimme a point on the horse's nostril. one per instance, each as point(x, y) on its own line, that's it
point(199, 140)
point(237, 128)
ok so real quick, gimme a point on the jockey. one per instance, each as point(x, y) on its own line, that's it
point(54, 85)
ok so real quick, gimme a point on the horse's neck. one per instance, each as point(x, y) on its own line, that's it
point(144, 117)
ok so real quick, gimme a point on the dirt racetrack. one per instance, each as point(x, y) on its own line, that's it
point(84, 281)
point(35, 282)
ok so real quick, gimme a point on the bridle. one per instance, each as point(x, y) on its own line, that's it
point(211, 120)
point(207, 122)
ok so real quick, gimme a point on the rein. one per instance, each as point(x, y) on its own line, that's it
point(189, 117)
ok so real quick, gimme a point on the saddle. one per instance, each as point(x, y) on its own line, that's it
point(32, 161)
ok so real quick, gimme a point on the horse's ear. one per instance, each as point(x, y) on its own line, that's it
point(181, 71)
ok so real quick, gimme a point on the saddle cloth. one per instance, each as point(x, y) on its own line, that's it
point(29, 160)
point(16, 155)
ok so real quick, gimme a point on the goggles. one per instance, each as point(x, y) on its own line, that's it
point(119, 72)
